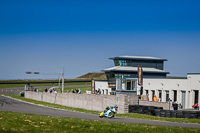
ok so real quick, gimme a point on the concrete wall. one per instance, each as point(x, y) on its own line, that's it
point(85, 101)
point(133, 100)
point(91, 102)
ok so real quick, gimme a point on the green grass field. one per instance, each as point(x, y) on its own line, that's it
point(4, 86)
point(83, 89)
point(28, 123)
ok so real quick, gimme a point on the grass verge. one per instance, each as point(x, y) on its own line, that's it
point(35, 85)
point(20, 122)
point(128, 115)
point(52, 105)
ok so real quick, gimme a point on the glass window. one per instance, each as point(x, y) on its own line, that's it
point(130, 85)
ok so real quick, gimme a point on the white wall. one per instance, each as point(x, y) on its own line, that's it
point(164, 85)
point(186, 86)
point(180, 85)
point(103, 86)
point(193, 84)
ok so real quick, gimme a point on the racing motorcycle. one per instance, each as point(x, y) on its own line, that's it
point(109, 113)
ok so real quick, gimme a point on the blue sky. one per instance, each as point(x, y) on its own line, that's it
point(46, 35)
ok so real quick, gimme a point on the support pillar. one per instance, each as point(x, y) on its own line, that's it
point(163, 96)
point(170, 94)
point(150, 95)
point(191, 99)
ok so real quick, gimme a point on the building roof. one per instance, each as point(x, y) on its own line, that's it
point(138, 58)
point(134, 69)
point(193, 73)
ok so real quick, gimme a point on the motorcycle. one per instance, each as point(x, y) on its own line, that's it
point(109, 113)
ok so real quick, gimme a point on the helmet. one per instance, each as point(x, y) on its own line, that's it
point(116, 106)
point(107, 107)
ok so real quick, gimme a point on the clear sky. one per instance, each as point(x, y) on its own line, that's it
point(46, 35)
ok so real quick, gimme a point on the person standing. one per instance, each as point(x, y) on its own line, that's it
point(155, 99)
point(79, 91)
point(76, 90)
point(73, 91)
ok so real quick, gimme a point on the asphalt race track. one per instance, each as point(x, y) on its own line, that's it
point(8, 104)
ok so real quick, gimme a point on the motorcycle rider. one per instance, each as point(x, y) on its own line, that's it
point(116, 107)
point(107, 108)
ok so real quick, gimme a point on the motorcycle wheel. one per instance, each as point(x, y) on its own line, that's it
point(111, 114)
point(101, 114)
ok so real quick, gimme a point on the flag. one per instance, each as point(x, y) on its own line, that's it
point(93, 86)
point(140, 76)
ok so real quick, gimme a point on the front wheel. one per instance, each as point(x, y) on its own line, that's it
point(101, 114)
point(111, 114)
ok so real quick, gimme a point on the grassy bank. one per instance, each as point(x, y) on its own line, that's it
point(36, 85)
point(129, 115)
point(20, 122)
point(52, 105)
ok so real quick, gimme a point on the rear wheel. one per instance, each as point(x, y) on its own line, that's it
point(101, 114)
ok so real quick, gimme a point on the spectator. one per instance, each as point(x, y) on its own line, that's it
point(31, 88)
point(35, 90)
point(79, 91)
point(148, 97)
point(73, 91)
point(76, 90)
point(155, 99)
point(99, 91)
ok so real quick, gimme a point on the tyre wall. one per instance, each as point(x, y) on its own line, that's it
point(160, 112)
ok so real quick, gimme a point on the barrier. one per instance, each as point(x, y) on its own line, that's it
point(91, 101)
point(158, 111)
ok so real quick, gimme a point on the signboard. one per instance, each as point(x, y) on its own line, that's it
point(93, 86)
point(140, 76)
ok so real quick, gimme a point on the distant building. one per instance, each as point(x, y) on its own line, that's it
point(126, 67)
point(123, 79)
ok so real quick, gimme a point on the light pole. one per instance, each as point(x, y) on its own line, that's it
point(52, 74)
point(63, 81)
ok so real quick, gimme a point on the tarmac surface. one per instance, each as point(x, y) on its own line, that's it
point(14, 105)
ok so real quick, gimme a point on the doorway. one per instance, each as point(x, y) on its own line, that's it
point(160, 95)
point(130, 85)
point(196, 96)
point(153, 93)
point(167, 96)
point(175, 95)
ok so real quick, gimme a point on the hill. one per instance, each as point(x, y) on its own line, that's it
point(98, 76)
